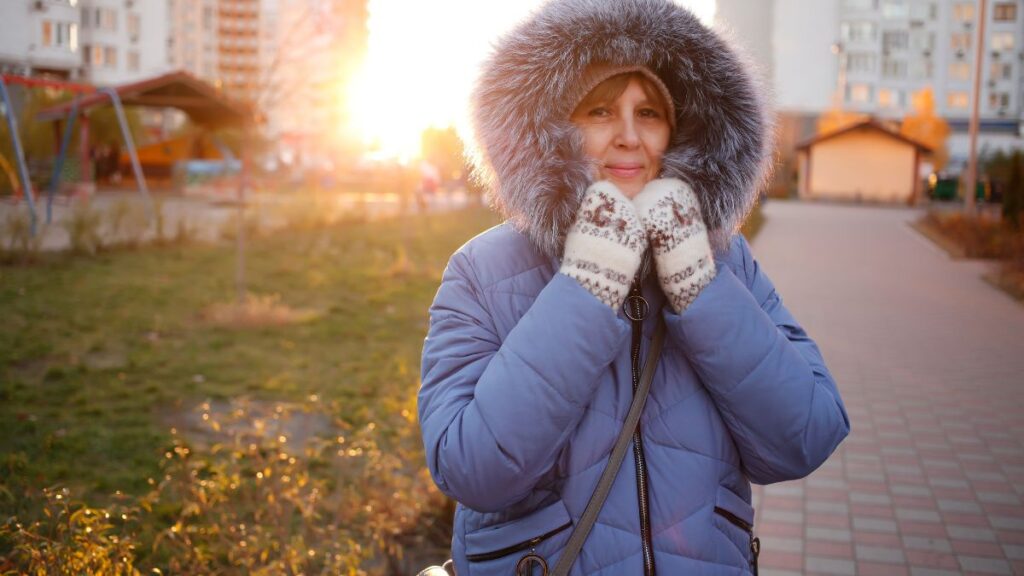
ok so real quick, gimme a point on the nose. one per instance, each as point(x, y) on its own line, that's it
point(626, 135)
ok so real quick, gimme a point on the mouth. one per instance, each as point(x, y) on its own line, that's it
point(624, 170)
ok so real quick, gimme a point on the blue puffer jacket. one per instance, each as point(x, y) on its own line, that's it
point(526, 381)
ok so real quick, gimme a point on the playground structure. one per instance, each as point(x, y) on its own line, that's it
point(202, 103)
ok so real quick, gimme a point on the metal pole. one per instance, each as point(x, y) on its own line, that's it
point(129, 142)
point(59, 164)
point(19, 154)
point(972, 152)
point(240, 236)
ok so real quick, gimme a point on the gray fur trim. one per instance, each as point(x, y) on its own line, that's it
point(530, 157)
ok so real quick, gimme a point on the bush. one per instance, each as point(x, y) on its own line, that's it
point(73, 539)
point(254, 492)
point(19, 243)
point(127, 222)
point(83, 228)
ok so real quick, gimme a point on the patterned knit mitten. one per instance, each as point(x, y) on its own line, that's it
point(682, 253)
point(604, 245)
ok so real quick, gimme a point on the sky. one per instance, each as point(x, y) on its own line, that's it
point(421, 61)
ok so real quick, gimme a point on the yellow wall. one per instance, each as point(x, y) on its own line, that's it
point(862, 165)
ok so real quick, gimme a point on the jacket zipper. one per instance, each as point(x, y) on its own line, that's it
point(755, 543)
point(639, 312)
point(508, 550)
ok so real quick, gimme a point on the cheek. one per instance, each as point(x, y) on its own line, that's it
point(595, 141)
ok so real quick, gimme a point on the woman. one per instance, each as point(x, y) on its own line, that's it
point(610, 129)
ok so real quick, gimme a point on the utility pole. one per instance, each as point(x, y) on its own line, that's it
point(971, 177)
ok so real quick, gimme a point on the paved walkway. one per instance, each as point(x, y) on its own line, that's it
point(930, 362)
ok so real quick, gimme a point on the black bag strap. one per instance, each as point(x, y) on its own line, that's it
point(604, 485)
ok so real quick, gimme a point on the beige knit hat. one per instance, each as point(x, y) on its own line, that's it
point(597, 73)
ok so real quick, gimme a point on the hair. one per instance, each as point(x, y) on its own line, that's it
point(613, 87)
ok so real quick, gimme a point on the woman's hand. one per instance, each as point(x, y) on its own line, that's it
point(604, 245)
point(672, 220)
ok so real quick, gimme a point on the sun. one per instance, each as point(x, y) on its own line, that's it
point(421, 60)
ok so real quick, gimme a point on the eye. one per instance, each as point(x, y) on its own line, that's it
point(599, 112)
point(649, 113)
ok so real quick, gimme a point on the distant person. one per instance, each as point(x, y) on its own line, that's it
point(625, 142)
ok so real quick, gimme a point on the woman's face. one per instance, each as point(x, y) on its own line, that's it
point(625, 137)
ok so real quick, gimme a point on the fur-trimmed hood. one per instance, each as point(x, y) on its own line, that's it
point(530, 157)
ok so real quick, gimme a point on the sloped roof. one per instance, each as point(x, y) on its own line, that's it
point(870, 124)
point(203, 103)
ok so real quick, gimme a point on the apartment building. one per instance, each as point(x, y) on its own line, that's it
point(41, 37)
point(123, 40)
point(871, 56)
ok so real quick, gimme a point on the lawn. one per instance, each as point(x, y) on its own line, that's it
point(100, 357)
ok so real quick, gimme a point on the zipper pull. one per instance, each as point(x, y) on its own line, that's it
point(755, 548)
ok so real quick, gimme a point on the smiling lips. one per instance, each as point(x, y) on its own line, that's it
point(624, 170)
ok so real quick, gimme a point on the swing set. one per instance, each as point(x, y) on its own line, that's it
point(203, 104)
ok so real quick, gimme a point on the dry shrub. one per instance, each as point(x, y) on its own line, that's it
point(309, 212)
point(229, 228)
point(71, 539)
point(244, 497)
point(256, 311)
point(261, 502)
point(127, 222)
point(19, 243)
point(83, 228)
point(980, 237)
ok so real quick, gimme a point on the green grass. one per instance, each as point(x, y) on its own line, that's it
point(98, 355)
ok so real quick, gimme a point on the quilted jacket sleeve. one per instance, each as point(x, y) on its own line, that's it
point(765, 374)
point(495, 414)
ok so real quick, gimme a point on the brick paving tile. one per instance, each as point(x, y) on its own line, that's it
point(922, 528)
point(823, 565)
point(985, 565)
point(970, 548)
point(828, 520)
point(880, 553)
point(925, 543)
point(830, 549)
point(927, 357)
point(922, 571)
point(930, 559)
point(880, 569)
point(785, 560)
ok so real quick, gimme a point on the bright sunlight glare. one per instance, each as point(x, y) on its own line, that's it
point(421, 60)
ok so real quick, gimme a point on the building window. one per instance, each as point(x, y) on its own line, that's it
point(859, 93)
point(86, 54)
point(107, 19)
point(1001, 71)
point(895, 40)
point(957, 100)
point(1005, 12)
point(60, 35)
point(921, 69)
point(960, 41)
point(894, 68)
point(860, 4)
point(1002, 41)
point(133, 61)
point(960, 71)
point(134, 25)
point(895, 9)
point(963, 11)
point(858, 31)
point(860, 62)
point(998, 100)
point(110, 56)
point(923, 11)
point(922, 40)
point(887, 98)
